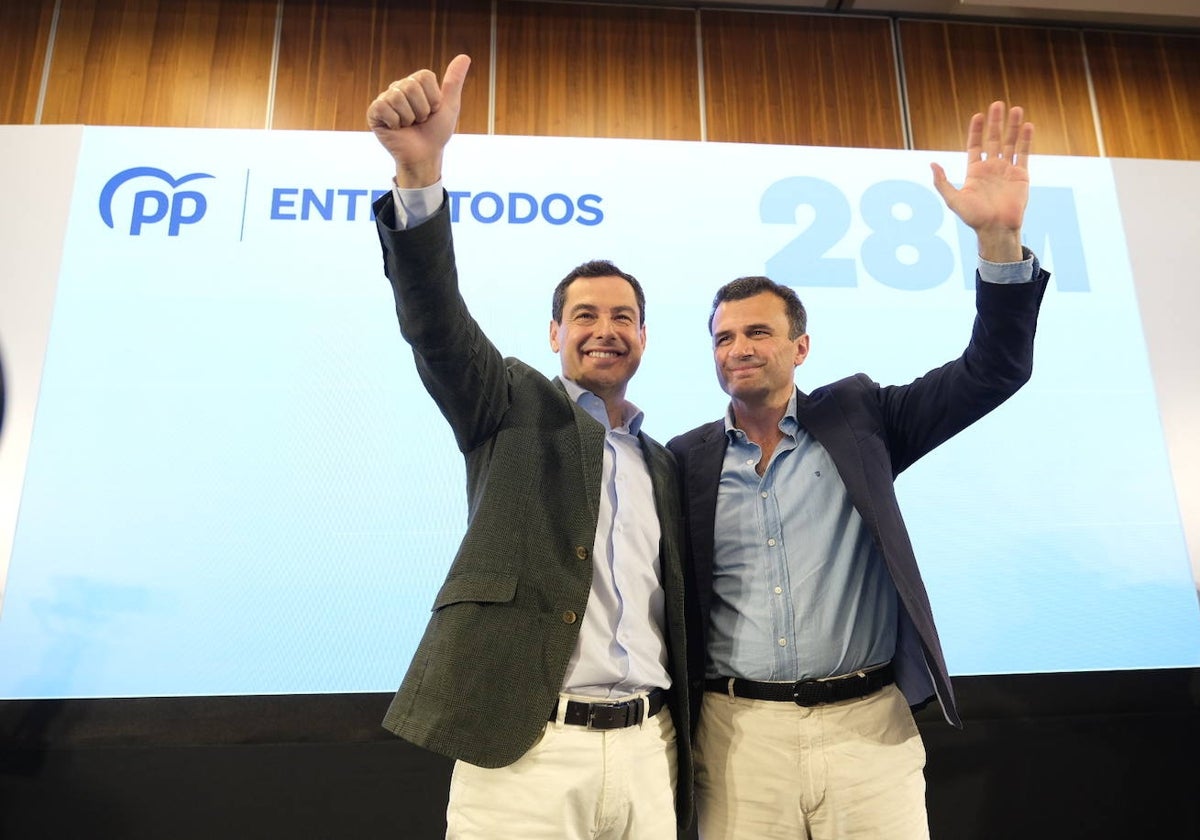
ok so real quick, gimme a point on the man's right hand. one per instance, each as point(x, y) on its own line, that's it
point(414, 119)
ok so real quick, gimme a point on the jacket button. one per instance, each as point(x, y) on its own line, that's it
point(569, 617)
point(581, 552)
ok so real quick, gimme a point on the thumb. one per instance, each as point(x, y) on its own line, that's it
point(940, 183)
point(453, 80)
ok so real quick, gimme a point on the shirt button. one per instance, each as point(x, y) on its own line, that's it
point(581, 552)
point(569, 617)
point(783, 642)
point(763, 494)
point(778, 590)
point(750, 462)
point(771, 542)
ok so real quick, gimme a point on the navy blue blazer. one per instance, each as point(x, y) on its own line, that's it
point(873, 434)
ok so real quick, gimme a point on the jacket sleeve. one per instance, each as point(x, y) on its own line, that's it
point(462, 370)
point(998, 360)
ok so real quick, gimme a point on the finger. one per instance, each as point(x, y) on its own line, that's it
point(1024, 144)
point(425, 95)
point(454, 79)
point(975, 139)
point(415, 92)
point(941, 183)
point(1012, 130)
point(995, 121)
point(396, 100)
point(382, 115)
point(390, 109)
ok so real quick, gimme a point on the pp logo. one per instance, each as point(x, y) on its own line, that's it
point(151, 206)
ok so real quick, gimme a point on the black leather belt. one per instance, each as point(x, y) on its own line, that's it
point(808, 692)
point(602, 715)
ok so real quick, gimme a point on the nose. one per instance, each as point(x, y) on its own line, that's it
point(742, 347)
point(604, 327)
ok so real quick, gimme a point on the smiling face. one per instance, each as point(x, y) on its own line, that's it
point(755, 359)
point(600, 338)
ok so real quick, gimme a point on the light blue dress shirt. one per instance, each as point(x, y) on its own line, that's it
point(622, 649)
point(799, 590)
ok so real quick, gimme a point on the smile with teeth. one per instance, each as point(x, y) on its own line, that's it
point(602, 354)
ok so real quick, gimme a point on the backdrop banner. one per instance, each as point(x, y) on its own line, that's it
point(233, 482)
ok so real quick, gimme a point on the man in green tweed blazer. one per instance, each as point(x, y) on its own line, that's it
point(552, 667)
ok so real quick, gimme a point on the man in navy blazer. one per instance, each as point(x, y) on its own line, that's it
point(810, 631)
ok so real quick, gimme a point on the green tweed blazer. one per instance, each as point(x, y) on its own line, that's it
point(491, 663)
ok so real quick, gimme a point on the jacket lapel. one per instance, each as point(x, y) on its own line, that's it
point(703, 465)
point(824, 420)
point(591, 447)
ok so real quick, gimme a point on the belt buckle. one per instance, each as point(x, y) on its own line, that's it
point(623, 709)
point(811, 693)
point(827, 688)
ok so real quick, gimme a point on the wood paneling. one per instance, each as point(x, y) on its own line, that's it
point(197, 63)
point(1147, 93)
point(576, 69)
point(801, 79)
point(596, 71)
point(24, 38)
point(335, 56)
point(953, 70)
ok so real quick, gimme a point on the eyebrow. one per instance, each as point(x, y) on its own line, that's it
point(591, 307)
point(745, 328)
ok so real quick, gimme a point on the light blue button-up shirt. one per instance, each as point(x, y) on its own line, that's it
point(799, 589)
point(622, 647)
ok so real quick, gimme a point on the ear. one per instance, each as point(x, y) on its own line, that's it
point(801, 350)
point(554, 345)
point(642, 336)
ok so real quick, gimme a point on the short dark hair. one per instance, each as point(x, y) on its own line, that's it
point(746, 287)
point(595, 268)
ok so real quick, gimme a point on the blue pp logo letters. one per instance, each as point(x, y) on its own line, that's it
point(153, 206)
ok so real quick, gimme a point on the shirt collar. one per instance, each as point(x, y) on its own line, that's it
point(789, 425)
point(631, 418)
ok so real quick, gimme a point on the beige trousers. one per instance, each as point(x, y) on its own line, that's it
point(573, 784)
point(843, 771)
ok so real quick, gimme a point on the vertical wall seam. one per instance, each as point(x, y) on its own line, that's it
point(491, 128)
point(274, 77)
point(45, 83)
point(1091, 88)
point(702, 89)
point(901, 85)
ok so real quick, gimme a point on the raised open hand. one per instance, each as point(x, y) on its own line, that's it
point(992, 199)
point(414, 119)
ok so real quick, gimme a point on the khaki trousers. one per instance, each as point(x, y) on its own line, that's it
point(573, 784)
point(843, 771)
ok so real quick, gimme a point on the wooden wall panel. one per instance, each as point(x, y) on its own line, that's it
point(197, 63)
point(24, 38)
point(596, 71)
point(335, 56)
point(1147, 93)
point(801, 79)
point(953, 70)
